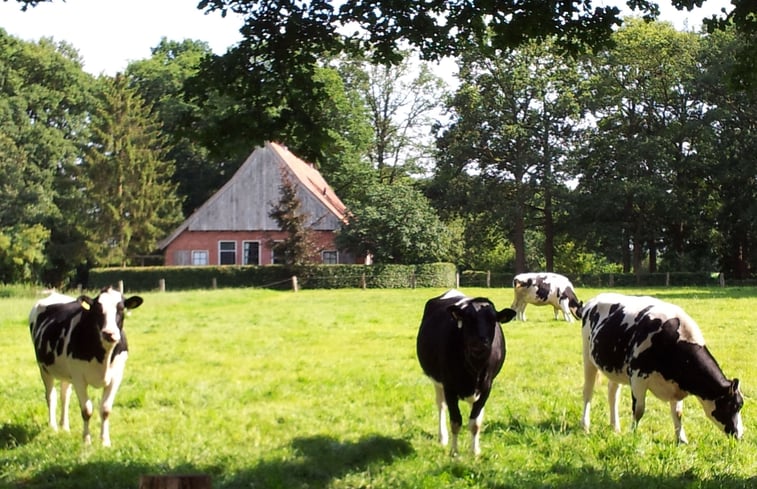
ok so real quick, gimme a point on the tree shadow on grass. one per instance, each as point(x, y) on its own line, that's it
point(13, 435)
point(319, 460)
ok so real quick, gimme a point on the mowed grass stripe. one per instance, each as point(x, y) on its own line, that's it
point(322, 389)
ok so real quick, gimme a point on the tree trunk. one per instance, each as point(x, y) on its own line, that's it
point(549, 231)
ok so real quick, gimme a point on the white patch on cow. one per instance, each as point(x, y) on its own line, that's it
point(452, 293)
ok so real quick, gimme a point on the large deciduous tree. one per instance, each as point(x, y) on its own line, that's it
point(512, 123)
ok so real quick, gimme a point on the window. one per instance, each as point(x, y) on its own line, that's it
point(182, 257)
point(277, 256)
point(200, 257)
point(330, 257)
point(227, 252)
point(251, 254)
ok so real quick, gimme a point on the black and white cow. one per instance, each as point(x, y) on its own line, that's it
point(461, 348)
point(81, 342)
point(541, 289)
point(654, 345)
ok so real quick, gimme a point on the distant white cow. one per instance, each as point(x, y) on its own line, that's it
point(541, 289)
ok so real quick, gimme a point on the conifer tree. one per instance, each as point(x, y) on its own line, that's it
point(298, 248)
point(132, 201)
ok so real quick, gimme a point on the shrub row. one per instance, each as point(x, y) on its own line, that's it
point(276, 277)
point(478, 278)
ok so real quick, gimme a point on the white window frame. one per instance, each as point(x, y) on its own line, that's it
point(200, 258)
point(222, 253)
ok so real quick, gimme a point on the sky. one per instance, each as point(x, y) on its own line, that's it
point(108, 34)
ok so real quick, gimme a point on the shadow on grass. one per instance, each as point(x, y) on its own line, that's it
point(13, 435)
point(319, 460)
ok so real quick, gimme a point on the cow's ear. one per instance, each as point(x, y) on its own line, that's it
point(457, 314)
point(734, 386)
point(85, 302)
point(505, 315)
point(133, 302)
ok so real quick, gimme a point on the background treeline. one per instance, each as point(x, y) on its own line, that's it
point(638, 157)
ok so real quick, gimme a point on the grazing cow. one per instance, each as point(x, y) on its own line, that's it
point(653, 345)
point(461, 348)
point(82, 343)
point(541, 289)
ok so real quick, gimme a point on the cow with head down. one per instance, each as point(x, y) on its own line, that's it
point(81, 342)
point(654, 346)
point(542, 289)
point(461, 347)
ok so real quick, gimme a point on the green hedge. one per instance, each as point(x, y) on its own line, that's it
point(276, 277)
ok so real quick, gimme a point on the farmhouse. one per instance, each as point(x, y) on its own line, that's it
point(234, 227)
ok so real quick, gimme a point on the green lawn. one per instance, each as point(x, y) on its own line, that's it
point(321, 389)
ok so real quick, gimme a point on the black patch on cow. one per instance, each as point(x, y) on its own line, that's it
point(542, 289)
point(50, 330)
point(689, 365)
point(610, 339)
point(727, 407)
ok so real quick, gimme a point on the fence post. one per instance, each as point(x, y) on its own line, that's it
point(295, 287)
point(612, 280)
point(162, 285)
point(721, 279)
point(362, 281)
point(214, 283)
point(667, 279)
point(121, 286)
point(488, 278)
point(457, 280)
point(412, 280)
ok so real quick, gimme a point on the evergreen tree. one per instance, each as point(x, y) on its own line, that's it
point(132, 202)
point(298, 248)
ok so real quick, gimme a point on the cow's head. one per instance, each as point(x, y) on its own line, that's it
point(478, 320)
point(108, 310)
point(725, 411)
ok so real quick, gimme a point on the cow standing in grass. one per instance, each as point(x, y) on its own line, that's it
point(653, 345)
point(81, 342)
point(461, 348)
point(542, 289)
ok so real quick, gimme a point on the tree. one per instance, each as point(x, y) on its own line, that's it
point(512, 124)
point(131, 199)
point(400, 100)
point(45, 102)
point(160, 80)
point(298, 248)
point(395, 224)
point(642, 172)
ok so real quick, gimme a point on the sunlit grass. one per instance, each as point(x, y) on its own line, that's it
point(321, 389)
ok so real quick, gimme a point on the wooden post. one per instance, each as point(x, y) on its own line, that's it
point(121, 286)
point(457, 280)
point(295, 287)
point(667, 279)
point(196, 481)
point(214, 283)
point(363, 284)
point(612, 280)
point(162, 285)
point(488, 278)
point(721, 279)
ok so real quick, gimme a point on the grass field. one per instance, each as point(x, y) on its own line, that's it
point(322, 389)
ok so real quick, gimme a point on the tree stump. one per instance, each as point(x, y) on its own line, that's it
point(194, 481)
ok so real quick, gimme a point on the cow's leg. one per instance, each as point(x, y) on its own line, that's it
point(557, 312)
point(441, 408)
point(65, 398)
point(476, 420)
point(564, 307)
point(590, 378)
point(455, 420)
point(85, 405)
point(520, 310)
point(109, 395)
point(676, 411)
point(49, 383)
point(613, 388)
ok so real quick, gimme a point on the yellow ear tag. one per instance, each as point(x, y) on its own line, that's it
point(85, 305)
